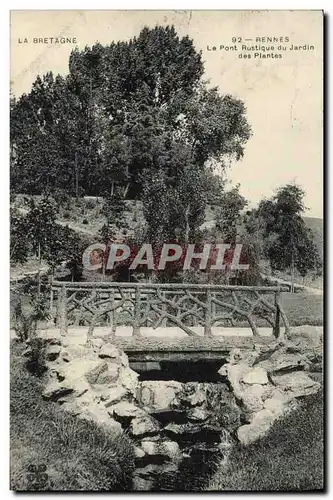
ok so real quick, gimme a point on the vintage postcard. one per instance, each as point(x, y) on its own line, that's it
point(166, 253)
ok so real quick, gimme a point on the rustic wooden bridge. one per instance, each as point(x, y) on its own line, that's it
point(142, 317)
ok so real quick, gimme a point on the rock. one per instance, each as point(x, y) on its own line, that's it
point(124, 359)
point(99, 415)
point(150, 448)
point(54, 391)
point(170, 449)
point(159, 394)
point(288, 362)
point(124, 412)
point(307, 331)
point(140, 483)
point(144, 426)
point(297, 383)
point(263, 419)
point(80, 387)
point(235, 373)
point(110, 376)
point(96, 344)
point(114, 395)
point(52, 352)
point(191, 431)
point(93, 373)
point(257, 428)
point(154, 471)
point(282, 362)
point(167, 450)
point(197, 415)
point(109, 351)
point(81, 369)
point(274, 405)
point(156, 437)
point(252, 398)
point(198, 397)
point(265, 352)
point(128, 378)
point(235, 355)
point(65, 356)
point(144, 479)
point(246, 434)
point(138, 452)
point(256, 375)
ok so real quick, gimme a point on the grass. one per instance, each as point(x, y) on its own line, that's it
point(303, 308)
point(78, 455)
point(289, 458)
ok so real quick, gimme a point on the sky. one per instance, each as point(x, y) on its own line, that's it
point(283, 96)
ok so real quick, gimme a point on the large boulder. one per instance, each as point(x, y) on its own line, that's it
point(252, 398)
point(82, 369)
point(159, 394)
point(257, 428)
point(296, 384)
point(110, 376)
point(282, 362)
point(124, 412)
point(98, 414)
point(256, 375)
point(167, 450)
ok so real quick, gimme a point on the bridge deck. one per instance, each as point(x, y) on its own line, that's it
point(169, 344)
point(185, 349)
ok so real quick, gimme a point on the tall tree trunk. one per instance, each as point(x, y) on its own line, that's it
point(292, 271)
point(76, 177)
point(126, 189)
point(187, 225)
point(38, 275)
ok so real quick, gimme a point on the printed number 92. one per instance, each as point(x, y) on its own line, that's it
point(236, 39)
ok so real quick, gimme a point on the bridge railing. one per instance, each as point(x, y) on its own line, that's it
point(191, 307)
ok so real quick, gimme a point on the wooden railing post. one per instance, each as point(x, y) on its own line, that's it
point(208, 317)
point(164, 309)
point(136, 317)
point(62, 310)
point(113, 313)
point(277, 332)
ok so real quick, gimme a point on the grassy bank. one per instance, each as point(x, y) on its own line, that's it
point(77, 454)
point(289, 458)
point(304, 308)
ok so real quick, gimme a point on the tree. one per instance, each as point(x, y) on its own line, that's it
point(41, 226)
point(289, 244)
point(19, 242)
point(229, 211)
point(124, 109)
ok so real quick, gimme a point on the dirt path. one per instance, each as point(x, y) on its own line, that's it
point(313, 291)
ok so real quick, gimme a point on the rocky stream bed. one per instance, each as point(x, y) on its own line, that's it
point(182, 428)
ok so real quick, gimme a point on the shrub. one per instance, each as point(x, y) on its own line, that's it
point(23, 323)
point(90, 204)
point(85, 221)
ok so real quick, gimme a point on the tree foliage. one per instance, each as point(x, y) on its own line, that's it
point(123, 109)
point(289, 244)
